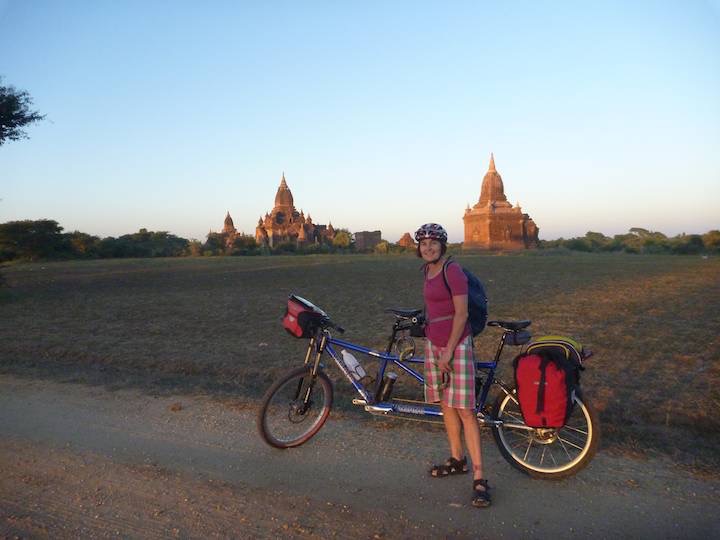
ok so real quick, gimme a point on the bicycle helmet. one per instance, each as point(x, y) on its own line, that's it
point(433, 231)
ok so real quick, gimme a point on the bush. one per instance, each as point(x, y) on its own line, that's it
point(215, 243)
point(688, 244)
point(195, 248)
point(285, 247)
point(144, 243)
point(314, 249)
point(711, 241)
point(578, 244)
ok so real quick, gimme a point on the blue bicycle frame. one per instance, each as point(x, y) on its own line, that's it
point(385, 359)
point(297, 405)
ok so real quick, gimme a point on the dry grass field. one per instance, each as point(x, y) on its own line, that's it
point(212, 325)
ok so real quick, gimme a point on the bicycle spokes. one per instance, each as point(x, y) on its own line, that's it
point(294, 408)
point(545, 451)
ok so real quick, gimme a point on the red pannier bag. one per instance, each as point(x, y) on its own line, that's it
point(302, 317)
point(546, 378)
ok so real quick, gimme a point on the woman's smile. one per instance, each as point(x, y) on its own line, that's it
point(430, 249)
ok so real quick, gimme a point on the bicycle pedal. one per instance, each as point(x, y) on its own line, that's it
point(357, 401)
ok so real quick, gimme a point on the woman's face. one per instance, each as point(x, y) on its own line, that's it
point(430, 249)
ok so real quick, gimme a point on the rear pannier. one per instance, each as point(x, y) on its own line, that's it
point(547, 376)
point(302, 317)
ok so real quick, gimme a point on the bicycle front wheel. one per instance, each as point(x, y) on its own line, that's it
point(546, 453)
point(294, 408)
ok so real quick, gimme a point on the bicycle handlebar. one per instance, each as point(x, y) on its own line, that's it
point(327, 323)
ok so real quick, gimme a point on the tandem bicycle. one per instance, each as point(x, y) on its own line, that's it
point(297, 405)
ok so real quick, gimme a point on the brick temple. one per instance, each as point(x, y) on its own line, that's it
point(285, 224)
point(494, 223)
point(407, 241)
point(367, 240)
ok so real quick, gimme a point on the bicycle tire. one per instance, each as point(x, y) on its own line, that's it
point(282, 420)
point(547, 454)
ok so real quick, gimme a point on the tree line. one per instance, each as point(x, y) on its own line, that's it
point(639, 240)
point(45, 240)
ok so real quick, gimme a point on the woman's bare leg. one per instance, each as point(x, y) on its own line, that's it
point(472, 439)
point(453, 428)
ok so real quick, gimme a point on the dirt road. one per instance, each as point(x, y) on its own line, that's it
point(82, 461)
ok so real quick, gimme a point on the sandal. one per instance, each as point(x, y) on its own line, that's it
point(481, 498)
point(451, 467)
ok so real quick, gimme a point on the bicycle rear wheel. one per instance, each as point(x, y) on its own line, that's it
point(547, 453)
point(286, 418)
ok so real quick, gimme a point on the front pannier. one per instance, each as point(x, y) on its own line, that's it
point(547, 376)
point(302, 317)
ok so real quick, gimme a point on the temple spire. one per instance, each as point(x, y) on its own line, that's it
point(283, 197)
point(492, 190)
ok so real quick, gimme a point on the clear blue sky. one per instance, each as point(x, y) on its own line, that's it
point(166, 114)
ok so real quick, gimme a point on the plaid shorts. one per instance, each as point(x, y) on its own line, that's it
point(460, 390)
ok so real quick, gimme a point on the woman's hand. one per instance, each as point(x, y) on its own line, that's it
point(444, 363)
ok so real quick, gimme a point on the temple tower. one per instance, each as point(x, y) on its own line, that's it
point(228, 225)
point(494, 223)
point(284, 211)
point(285, 224)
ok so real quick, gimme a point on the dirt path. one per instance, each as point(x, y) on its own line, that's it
point(80, 461)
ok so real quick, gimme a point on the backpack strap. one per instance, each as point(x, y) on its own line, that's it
point(444, 273)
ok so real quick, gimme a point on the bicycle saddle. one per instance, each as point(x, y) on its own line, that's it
point(510, 325)
point(404, 313)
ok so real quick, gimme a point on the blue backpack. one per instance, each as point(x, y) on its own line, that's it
point(477, 299)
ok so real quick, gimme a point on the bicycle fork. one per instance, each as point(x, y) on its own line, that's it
point(305, 402)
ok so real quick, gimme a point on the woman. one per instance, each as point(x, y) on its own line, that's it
point(449, 365)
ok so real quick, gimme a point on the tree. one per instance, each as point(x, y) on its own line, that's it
point(597, 241)
point(383, 247)
point(83, 244)
point(711, 239)
point(144, 243)
point(195, 248)
point(342, 239)
point(687, 244)
point(215, 243)
point(243, 244)
point(32, 240)
point(639, 231)
point(578, 244)
point(15, 113)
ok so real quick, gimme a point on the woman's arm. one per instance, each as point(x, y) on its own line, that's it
point(460, 302)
